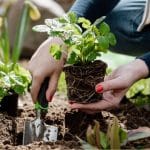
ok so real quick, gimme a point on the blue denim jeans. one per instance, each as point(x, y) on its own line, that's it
point(124, 20)
point(123, 16)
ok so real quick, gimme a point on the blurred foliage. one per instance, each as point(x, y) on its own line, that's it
point(114, 138)
point(13, 77)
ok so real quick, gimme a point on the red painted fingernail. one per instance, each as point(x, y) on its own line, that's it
point(99, 88)
point(50, 98)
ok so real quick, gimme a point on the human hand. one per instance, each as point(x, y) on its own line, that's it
point(115, 86)
point(43, 65)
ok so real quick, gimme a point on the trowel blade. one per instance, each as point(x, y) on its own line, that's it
point(33, 131)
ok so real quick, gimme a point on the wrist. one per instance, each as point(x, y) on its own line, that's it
point(140, 69)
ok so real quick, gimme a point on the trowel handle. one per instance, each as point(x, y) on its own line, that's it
point(42, 103)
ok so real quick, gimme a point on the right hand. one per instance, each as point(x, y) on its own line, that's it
point(43, 65)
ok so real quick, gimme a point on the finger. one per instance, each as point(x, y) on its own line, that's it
point(101, 105)
point(35, 87)
point(114, 84)
point(52, 87)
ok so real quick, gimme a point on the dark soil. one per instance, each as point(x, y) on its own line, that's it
point(81, 81)
point(11, 131)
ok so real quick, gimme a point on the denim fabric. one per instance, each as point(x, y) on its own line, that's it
point(93, 9)
point(123, 18)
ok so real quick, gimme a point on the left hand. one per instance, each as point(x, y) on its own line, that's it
point(111, 99)
point(115, 86)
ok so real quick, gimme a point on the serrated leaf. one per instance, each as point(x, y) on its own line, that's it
point(41, 28)
point(104, 28)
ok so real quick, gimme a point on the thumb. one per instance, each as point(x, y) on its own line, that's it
point(52, 87)
point(114, 84)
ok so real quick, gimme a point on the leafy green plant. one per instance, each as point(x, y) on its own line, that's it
point(114, 138)
point(13, 77)
point(85, 41)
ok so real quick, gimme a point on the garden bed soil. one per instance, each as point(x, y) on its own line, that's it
point(11, 131)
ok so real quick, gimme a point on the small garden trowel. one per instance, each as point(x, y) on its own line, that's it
point(37, 130)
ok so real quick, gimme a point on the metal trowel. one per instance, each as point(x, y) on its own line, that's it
point(37, 129)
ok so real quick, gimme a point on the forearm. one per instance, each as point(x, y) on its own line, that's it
point(93, 9)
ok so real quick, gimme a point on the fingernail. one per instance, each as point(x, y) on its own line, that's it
point(99, 88)
point(50, 98)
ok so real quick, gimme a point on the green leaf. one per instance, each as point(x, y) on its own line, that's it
point(55, 50)
point(72, 17)
point(85, 22)
point(113, 134)
point(112, 39)
point(20, 34)
point(57, 55)
point(123, 135)
point(90, 136)
point(41, 28)
point(4, 40)
point(142, 86)
point(71, 58)
point(92, 56)
point(103, 140)
point(99, 20)
point(97, 134)
point(104, 28)
point(103, 43)
point(15, 78)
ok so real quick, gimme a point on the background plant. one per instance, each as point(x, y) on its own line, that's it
point(14, 78)
point(114, 138)
point(85, 41)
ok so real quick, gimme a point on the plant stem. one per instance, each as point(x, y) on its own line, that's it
point(21, 30)
point(5, 41)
